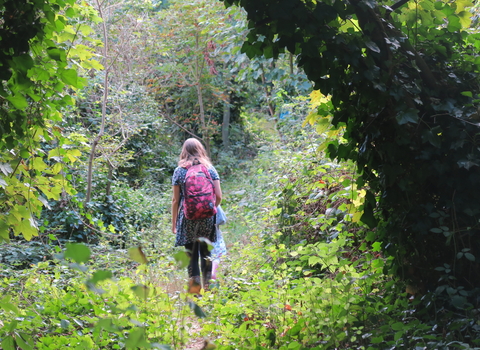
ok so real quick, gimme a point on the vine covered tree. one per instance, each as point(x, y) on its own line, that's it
point(403, 80)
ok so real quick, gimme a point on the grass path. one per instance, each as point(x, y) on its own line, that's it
point(241, 204)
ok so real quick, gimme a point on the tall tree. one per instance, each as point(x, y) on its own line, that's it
point(188, 78)
point(125, 109)
point(403, 80)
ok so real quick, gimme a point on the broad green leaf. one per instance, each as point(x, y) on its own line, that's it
point(459, 301)
point(8, 343)
point(24, 341)
point(322, 125)
point(454, 24)
point(65, 324)
point(197, 310)
point(70, 77)
point(372, 46)
point(136, 339)
point(377, 340)
point(38, 73)
point(465, 18)
point(427, 5)
point(462, 4)
point(86, 29)
point(398, 326)
point(408, 116)
point(71, 12)
point(6, 305)
point(18, 101)
point(23, 62)
point(136, 254)
point(4, 230)
point(368, 218)
point(182, 259)
point(20, 212)
point(377, 246)
point(141, 291)
point(311, 119)
point(26, 229)
point(470, 256)
point(78, 252)
point(295, 330)
point(57, 54)
point(101, 275)
point(314, 260)
point(294, 345)
point(38, 164)
point(94, 64)
point(107, 324)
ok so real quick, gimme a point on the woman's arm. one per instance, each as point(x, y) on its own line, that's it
point(218, 192)
point(175, 206)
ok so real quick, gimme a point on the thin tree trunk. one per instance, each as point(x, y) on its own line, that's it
point(268, 95)
point(291, 63)
point(198, 73)
point(97, 139)
point(108, 189)
point(226, 124)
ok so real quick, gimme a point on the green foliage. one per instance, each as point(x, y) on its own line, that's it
point(404, 85)
point(18, 256)
point(55, 309)
point(191, 36)
point(325, 294)
point(304, 267)
point(274, 301)
point(37, 90)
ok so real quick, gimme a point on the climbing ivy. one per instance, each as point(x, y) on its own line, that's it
point(403, 81)
point(41, 71)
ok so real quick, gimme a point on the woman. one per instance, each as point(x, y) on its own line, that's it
point(187, 231)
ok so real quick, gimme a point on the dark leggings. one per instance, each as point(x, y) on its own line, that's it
point(199, 250)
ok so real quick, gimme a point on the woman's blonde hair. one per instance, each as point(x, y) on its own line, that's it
point(193, 149)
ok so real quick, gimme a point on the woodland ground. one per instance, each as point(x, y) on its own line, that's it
point(21, 283)
point(275, 291)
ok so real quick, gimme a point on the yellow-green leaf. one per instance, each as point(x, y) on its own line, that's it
point(141, 291)
point(136, 254)
point(38, 164)
point(465, 18)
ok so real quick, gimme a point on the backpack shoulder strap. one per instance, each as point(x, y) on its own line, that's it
point(207, 173)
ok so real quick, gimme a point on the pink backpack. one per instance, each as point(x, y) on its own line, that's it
point(199, 193)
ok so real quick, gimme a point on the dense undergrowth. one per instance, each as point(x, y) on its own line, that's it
point(301, 272)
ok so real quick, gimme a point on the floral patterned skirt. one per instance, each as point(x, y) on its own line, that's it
point(188, 231)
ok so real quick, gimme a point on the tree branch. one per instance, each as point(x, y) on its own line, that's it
point(397, 5)
point(183, 128)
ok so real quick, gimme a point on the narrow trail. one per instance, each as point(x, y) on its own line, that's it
point(196, 342)
point(241, 205)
